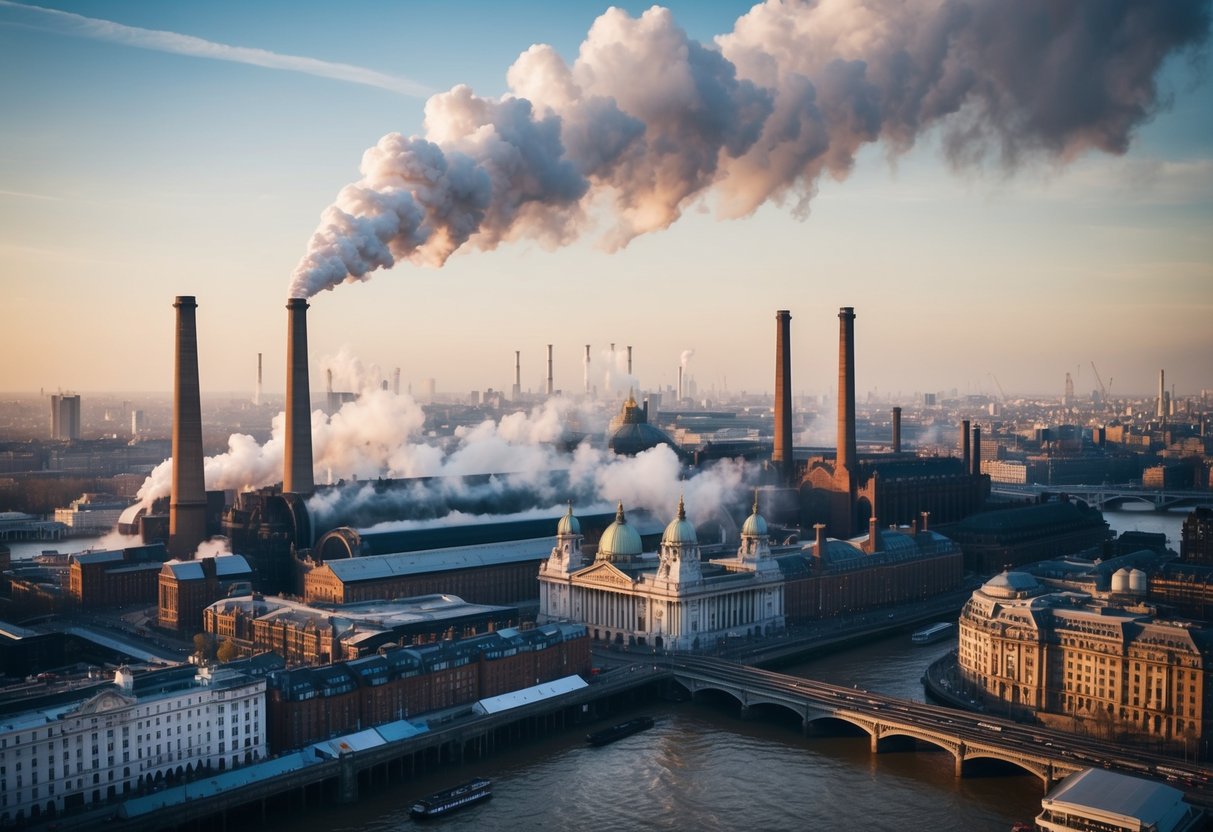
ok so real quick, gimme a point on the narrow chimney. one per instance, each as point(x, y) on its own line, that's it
point(517, 375)
point(976, 451)
point(1161, 411)
point(187, 505)
point(781, 456)
point(873, 535)
point(897, 430)
point(847, 455)
point(680, 382)
point(297, 473)
point(329, 375)
point(587, 369)
point(257, 395)
point(629, 359)
point(924, 515)
point(964, 446)
point(819, 530)
point(550, 387)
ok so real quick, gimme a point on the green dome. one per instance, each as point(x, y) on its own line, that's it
point(754, 525)
point(568, 524)
point(619, 540)
point(680, 531)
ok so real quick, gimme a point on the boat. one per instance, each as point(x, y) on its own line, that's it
point(449, 800)
point(618, 732)
point(936, 632)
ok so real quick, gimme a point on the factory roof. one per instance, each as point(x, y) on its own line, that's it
point(1028, 517)
point(377, 567)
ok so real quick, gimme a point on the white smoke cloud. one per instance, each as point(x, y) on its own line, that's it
point(647, 122)
point(685, 358)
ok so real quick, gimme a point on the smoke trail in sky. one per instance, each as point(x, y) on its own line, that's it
point(646, 121)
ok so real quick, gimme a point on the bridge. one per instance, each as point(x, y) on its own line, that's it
point(1111, 496)
point(890, 722)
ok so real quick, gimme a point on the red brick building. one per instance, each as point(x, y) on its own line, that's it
point(306, 705)
point(116, 578)
point(187, 587)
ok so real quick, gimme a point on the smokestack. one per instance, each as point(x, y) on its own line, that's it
point(781, 456)
point(897, 430)
point(925, 515)
point(819, 540)
point(629, 359)
point(297, 471)
point(964, 445)
point(587, 369)
point(977, 450)
point(187, 505)
point(396, 382)
point(1162, 395)
point(680, 382)
point(257, 395)
point(847, 455)
point(550, 387)
point(329, 389)
point(517, 392)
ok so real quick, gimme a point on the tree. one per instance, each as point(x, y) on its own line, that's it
point(204, 646)
point(227, 651)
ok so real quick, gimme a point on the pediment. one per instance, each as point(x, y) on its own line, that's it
point(604, 574)
point(107, 700)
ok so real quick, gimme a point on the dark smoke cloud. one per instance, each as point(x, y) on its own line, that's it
point(646, 121)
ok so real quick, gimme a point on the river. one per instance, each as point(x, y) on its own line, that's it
point(703, 768)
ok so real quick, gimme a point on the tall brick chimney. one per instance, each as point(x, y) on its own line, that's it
point(297, 477)
point(187, 505)
point(781, 456)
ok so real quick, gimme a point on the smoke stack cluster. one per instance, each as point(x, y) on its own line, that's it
point(847, 455)
point(297, 471)
point(781, 456)
point(187, 504)
point(897, 430)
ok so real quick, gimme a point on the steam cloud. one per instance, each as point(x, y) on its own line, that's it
point(646, 121)
point(517, 466)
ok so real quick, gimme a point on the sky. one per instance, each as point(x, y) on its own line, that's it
point(149, 150)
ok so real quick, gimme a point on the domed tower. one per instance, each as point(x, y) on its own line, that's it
point(566, 554)
point(679, 553)
point(755, 542)
point(620, 543)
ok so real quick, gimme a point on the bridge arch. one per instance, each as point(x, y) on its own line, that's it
point(1044, 773)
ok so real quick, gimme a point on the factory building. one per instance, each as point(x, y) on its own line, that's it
point(306, 634)
point(189, 587)
point(1013, 537)
point(310, 704)
point(116, 578)
point(844, 491)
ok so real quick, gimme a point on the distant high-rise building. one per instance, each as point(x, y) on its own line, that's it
point(138, 423)
point(65, 416)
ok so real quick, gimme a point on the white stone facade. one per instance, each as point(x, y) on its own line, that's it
point(669, 600)
point(123, 739)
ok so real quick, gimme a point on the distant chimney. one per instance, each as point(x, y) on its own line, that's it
point(679, 382)
point(297, 471)
point(257, 395)
point(847, 455)
point(781, 456)
point(187, 505)
point(629, 359)
point(329, 376)
point(517, 392)
point(396, 382)
point(897, 430)
point(1161, 411)
point(551, 389)
point(976, 470)
point(819, 530)
point(964, 445)
point(587, 369)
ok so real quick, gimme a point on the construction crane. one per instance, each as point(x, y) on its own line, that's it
point(1001, 392)
point(1103, 391)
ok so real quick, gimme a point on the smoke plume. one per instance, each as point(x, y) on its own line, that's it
point(647, 122)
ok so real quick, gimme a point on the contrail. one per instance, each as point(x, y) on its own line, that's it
point(646, 122)
point(66, 23)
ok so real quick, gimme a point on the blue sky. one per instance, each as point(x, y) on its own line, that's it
point(130, 175)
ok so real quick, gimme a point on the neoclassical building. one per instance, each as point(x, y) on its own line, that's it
point(1118, 671)
point(670, 599)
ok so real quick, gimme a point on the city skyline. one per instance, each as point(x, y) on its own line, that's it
point(158, 151)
